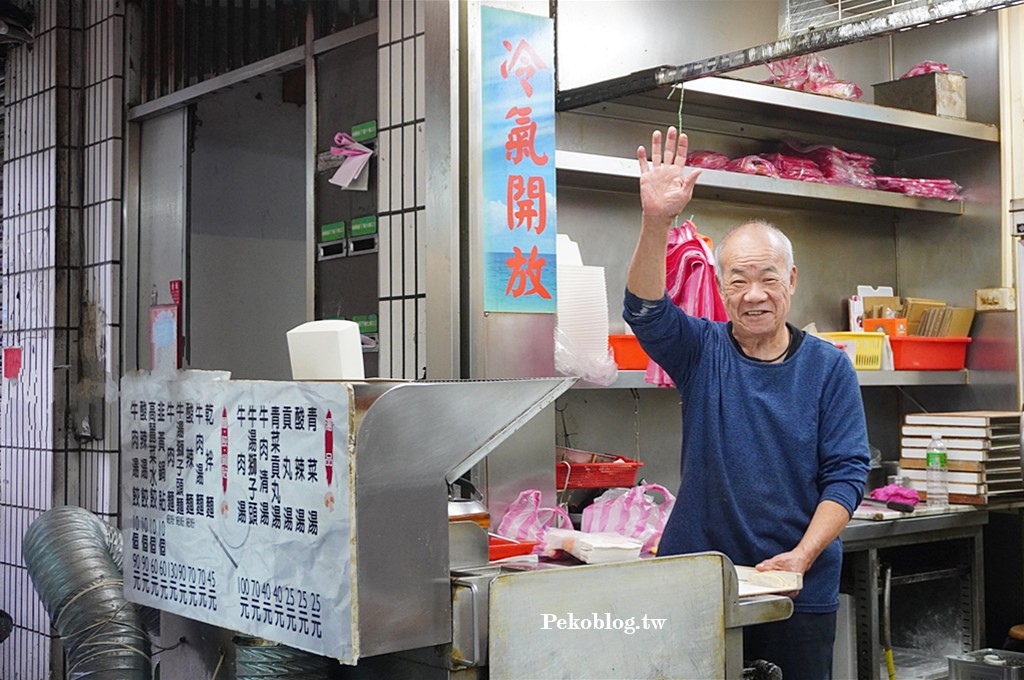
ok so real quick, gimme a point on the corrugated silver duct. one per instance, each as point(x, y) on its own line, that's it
point(73, 559)
point(6, 625)
point(256, 658)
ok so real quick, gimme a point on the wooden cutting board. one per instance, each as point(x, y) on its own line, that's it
point(754, 582)
point(878, 513)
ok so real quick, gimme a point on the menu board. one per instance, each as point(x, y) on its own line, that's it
point(238, 505)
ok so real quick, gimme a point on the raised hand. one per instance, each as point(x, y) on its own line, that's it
point(665, 189)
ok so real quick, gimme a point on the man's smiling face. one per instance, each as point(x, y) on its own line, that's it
point(756, 287)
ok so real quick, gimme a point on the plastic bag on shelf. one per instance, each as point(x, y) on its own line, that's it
point(752, 165)
point(712, 160)
point(944, 189)
point(794, 167)
point(928, 67)
point(632, 513)
point(789, 73)
point(837, 166)
point(841, 89)
point(811, 73)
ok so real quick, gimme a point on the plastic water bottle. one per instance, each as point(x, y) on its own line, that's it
point(938, 478)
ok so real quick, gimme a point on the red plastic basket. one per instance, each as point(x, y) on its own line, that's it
point(576, 469)
point(914, 352)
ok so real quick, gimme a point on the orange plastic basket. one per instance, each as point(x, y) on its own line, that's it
point(629, 356)
point(576, 469)
point(923, 353)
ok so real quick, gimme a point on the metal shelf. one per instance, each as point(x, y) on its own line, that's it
point(894, 378)
point(635, 379)
point(593, 171)
point(750, 103)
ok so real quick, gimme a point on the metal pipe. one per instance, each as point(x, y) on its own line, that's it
point(886, 620)
point(256, 659)
point(74, 561)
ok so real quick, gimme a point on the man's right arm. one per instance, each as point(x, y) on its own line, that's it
point(665, 190)
point(646, 275)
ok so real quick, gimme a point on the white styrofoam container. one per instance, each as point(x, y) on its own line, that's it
point(326, 350)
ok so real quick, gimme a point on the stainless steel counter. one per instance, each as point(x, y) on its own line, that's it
point(861, 534)
point(862, 540)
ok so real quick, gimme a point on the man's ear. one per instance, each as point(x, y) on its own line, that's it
point(792, 280)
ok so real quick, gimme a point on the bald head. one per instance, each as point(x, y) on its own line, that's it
point(780, 243)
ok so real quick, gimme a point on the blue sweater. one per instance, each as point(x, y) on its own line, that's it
point(763, 444)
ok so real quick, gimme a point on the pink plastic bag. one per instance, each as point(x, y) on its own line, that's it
point(752, 165)
point(926, 67)
point(690, 283)
point(631, 513)
point(945, 189)
point(836, 165)
point(525, 520)
point(707, 159)
point(811, 73)
point(792, 167)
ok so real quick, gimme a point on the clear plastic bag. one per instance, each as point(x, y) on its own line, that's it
point(570, 360)
point(631, 512)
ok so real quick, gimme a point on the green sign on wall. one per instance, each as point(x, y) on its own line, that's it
point(362, 132)
point(363, 226)
point(367, 323)
point(335, 231)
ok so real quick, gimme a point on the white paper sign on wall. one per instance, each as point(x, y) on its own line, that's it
point(238, 505)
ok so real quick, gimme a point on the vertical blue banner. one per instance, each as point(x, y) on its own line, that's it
point(518, 120)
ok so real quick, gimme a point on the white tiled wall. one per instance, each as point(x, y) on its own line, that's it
point(49, 285)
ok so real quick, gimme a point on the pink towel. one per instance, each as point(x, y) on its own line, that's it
point(690, 282)
point(895, 492)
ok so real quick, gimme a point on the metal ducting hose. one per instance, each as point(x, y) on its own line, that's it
point(256, 659)
point(6, 625)
point(74, 561)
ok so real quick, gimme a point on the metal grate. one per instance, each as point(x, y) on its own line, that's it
point(185, 42)
point(3, 116)
point(802, 16)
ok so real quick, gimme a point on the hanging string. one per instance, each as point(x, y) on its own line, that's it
point(679, 112)
point(679, 121)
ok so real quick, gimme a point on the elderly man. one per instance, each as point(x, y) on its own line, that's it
point(775, 451)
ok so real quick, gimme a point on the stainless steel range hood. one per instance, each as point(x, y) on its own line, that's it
point(412, 438)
